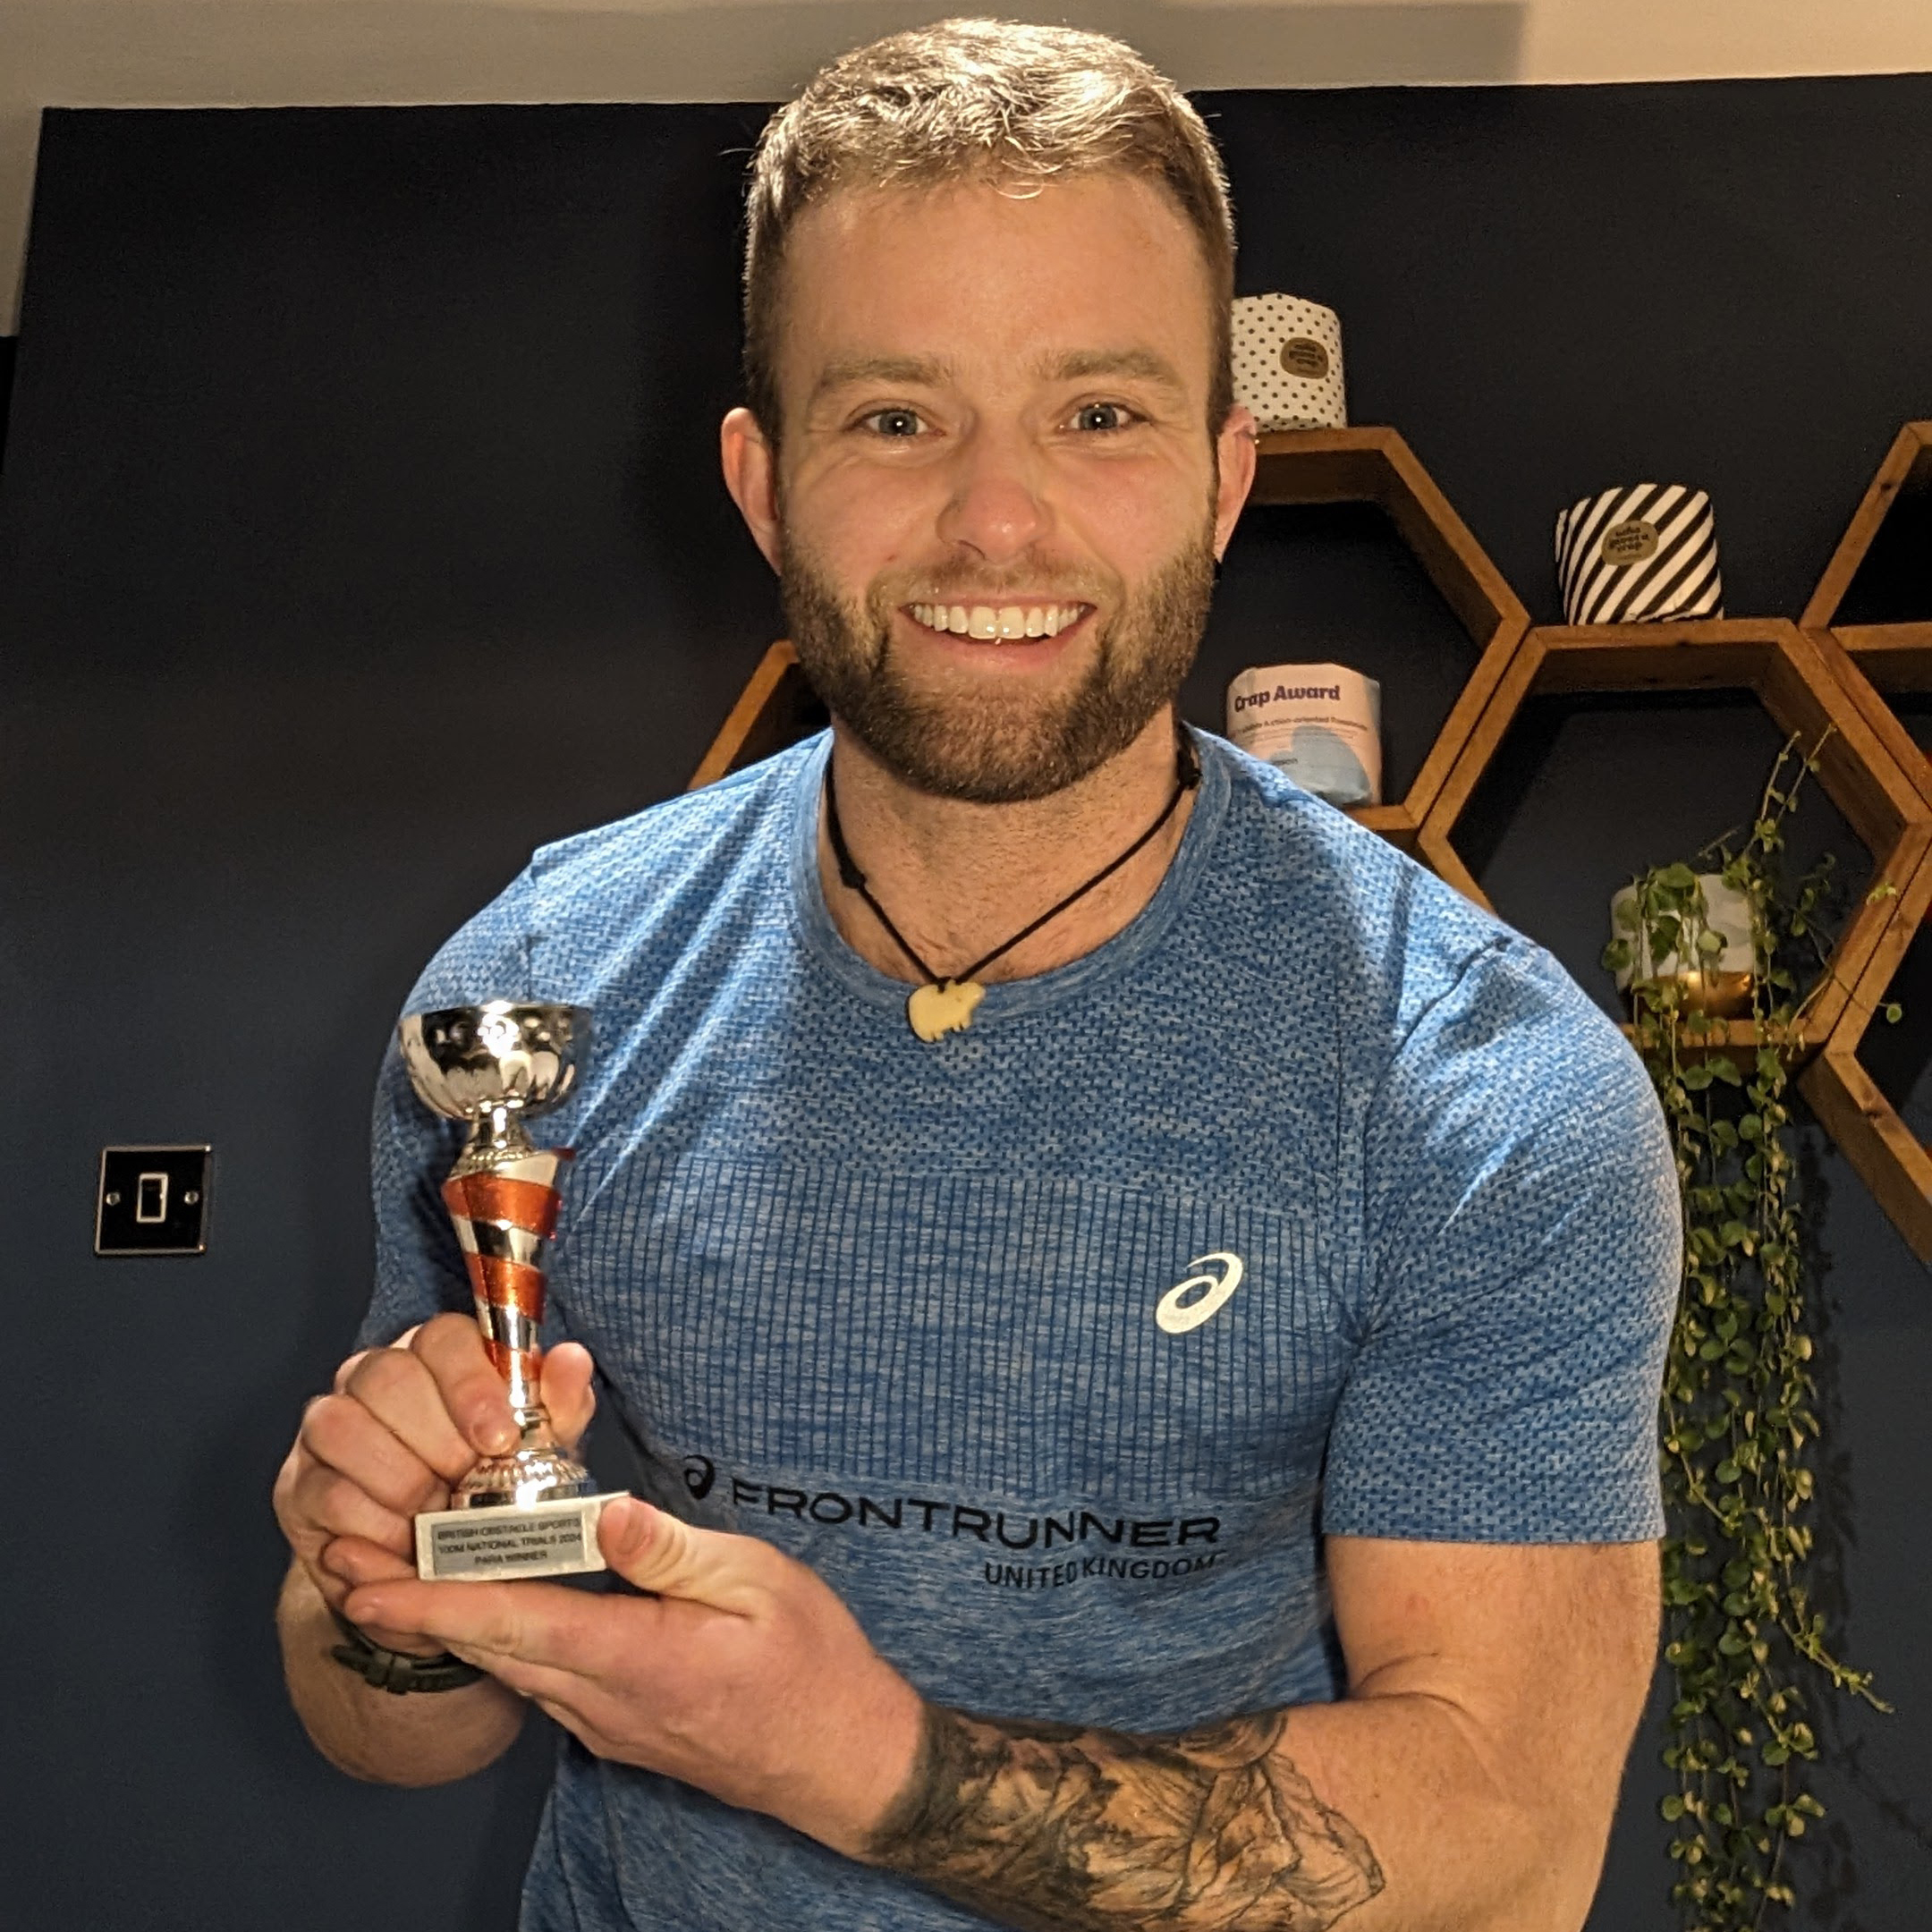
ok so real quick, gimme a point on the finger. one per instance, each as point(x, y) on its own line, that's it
point(288, 1512)
point(540, 1624)
point(348, 1369)
point(486, 1622)
point(560, 1692)
point(346, 1563)
point(326, 1503)
point(669, 1557)
point(400, 1390)
point(343, 1563)
point(473, 1393)
point(354, 1560)
point(344, 1433)
point(567, 1391)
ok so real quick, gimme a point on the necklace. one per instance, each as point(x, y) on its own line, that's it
point(942, 1005)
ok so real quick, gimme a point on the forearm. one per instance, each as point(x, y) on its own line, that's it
point(418, 1738)
point(1379, 1811)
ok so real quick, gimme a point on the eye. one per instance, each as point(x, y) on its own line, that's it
point(892, 423)
point(1104, 417)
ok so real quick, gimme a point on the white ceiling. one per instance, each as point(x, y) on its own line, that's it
point(205, 53)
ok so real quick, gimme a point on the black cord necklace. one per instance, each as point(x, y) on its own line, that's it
point(946, 1006)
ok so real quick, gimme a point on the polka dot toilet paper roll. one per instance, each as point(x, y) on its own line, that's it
point(1637, 555)
point(1288, 362)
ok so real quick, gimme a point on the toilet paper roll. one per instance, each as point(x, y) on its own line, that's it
point(1637, 555)
point(1288, 362)
point(1321, 723)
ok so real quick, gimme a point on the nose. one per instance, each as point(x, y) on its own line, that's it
point(996, 507)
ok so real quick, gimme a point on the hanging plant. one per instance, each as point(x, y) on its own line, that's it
point(1739, 1425)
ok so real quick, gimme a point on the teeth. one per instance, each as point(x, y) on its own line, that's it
point(1005, 620)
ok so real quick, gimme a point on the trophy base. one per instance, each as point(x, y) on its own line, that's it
point(558, 1538)
point(536, 1471)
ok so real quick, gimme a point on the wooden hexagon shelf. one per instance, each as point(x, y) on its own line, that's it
point(776, 708)
point(1375, 465)
point(1895, 656)
point(1782, 668)
point(1887, 1155)
point(1871, 658)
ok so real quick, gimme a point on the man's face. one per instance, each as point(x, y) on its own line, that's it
point(998, 503)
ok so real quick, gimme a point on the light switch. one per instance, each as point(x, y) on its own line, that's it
point(153, 1201)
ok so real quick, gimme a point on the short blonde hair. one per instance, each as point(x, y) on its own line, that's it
point(972, 99)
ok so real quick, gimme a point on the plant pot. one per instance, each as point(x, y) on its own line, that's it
point(1723, 988)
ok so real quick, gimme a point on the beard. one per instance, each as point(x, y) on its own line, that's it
point(991, 745)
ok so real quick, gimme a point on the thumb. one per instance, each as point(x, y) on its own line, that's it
point(567, 1390)
point(668, 1557)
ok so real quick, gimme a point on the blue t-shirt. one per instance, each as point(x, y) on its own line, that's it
point(908, 1311)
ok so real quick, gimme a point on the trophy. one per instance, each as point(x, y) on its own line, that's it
point(532, 1512)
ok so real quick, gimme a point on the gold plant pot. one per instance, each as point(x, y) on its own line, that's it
point(1722, 995)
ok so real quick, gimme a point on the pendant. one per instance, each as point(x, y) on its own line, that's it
point(943, 1007)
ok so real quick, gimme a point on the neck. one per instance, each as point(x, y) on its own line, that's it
point(959, 878)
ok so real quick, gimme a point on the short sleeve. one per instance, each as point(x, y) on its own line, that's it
point(1522, 1240)
point(419, 1267)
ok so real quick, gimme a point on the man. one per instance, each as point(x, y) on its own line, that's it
point(1223, 1356)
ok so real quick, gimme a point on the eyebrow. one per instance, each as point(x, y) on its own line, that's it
point(930, 372)
point(1080, 364)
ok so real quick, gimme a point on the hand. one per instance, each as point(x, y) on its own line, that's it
point(401, 1427)
point(743, 1673)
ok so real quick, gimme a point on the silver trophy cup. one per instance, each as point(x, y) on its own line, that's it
point(531, 1512)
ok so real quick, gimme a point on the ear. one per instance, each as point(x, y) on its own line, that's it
point(1234, 462)
point(751, 476)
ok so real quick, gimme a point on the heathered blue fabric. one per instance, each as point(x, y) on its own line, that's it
point(891, 1305)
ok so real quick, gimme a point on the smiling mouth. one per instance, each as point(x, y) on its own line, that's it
point(998, 621)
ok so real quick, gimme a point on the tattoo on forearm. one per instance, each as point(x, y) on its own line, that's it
point(1056, 1828)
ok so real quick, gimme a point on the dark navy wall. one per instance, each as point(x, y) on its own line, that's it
point(359, 529)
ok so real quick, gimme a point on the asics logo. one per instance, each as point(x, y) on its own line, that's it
point(1176, 1313)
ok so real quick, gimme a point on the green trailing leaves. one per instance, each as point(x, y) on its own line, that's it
point(1738, 1426)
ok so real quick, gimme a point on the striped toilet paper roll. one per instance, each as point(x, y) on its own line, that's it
point(1288, 362)
point(1637, 555)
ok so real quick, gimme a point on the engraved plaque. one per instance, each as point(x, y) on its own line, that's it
point(552, 1538)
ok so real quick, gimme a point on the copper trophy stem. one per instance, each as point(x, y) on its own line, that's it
point(489, 1066)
